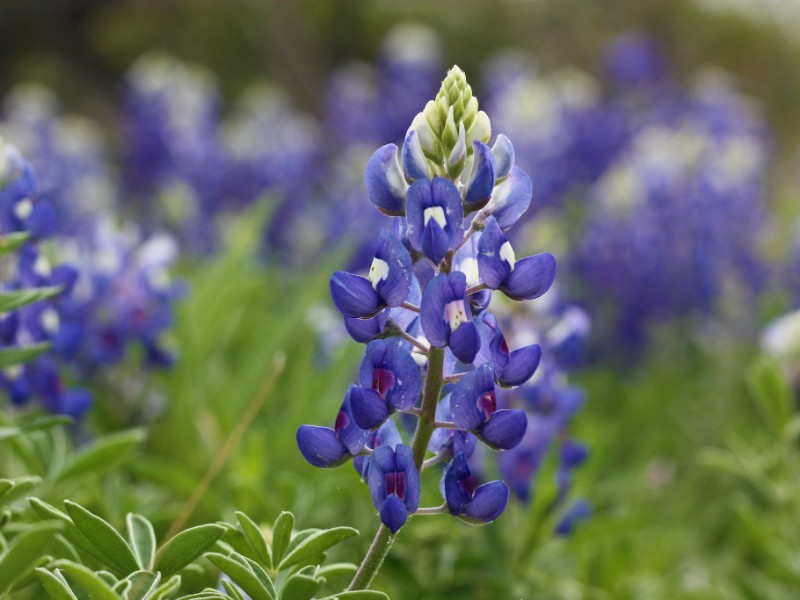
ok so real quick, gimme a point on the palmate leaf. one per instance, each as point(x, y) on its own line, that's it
point(104, 538)
point(255, 539)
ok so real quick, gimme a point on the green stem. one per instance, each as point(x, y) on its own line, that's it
point(383, 540)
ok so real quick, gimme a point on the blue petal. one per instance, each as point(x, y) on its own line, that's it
point(393, 513)
point(365, 330)
point(522, 364)
point(481, 179)
point(488, 502)
point(434, 298)
point(511, 198)
point(454, 492)
point(42, 222)
point(394, 289)
point(573, 454)
point(435, 242)
point(415, 164)
point(577, 513)
point(369, 409)
point(349, 433)
point(446, 195)
point(64, 276)
point(532, 276)
point(464, 398)
point(385, 183)
point(404, 463)
point(505, 429)
point(353, 295)
point(418, 198)
point(503, 152)
point(492, 268)
point(381, 462)
point(408, 381)
point(75, 402)
point(320, 446)
point(465, 342)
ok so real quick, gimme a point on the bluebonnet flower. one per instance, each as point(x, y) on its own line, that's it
point(423, 311)
point(678, 217)
point(579, 511)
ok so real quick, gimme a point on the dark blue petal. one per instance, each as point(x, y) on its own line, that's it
point(42, 222)
point(365, 330)
point(415, 165)
point(404, 463)
point(65, 277)
point(369, 409)
point(573, 454)
point(503, 152)
point(395, 283)
point(353, 295)
point(75, 402)
point(408, 381)
point(481, 178)
point(381, 462)
point(393, 513)
point(320, 446)
point(532, 276)
point(350, 434)
point(511, 198)
point(580, 511)
point(464, 398)
point(488, 502)
point(435, 242)
point(493, 267)
point(418, 198)
point(445, 194)
point(385, 183)
point(465, 342)
point(522, 364)
point(455, 485)
point(505, 429)
point(434, 298)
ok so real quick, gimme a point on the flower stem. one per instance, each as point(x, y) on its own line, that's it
point(383, 540)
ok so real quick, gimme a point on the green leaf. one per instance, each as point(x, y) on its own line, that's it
point(24, 551)
point(86, 580)
point(103, 454)
point(142, 584)
point(43, 422)
point(12, 241)
point(10, 357)
point(104, 537)
point(281, 534)
point(771, 392)
point(70, 533)
point(300, 587)
point(315, 544)
point(255, 539)
point(12, 489)
point(56, 587)
point(185, 547)
point(337, 571)
point(142, 539)
point(18, 298)
point(359, 595)
point(241, 576)
point(263, 576)
point(167, 588)
point(231, 589)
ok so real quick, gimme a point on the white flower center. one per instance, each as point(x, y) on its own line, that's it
point(455, 314)
point(469, 266)
point(436, 213)
point(41, 266)
point(50, 320)
point(507, 254)
point(378, 272)
point(23, 209)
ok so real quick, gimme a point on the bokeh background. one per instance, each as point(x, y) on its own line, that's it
point(204, 161)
